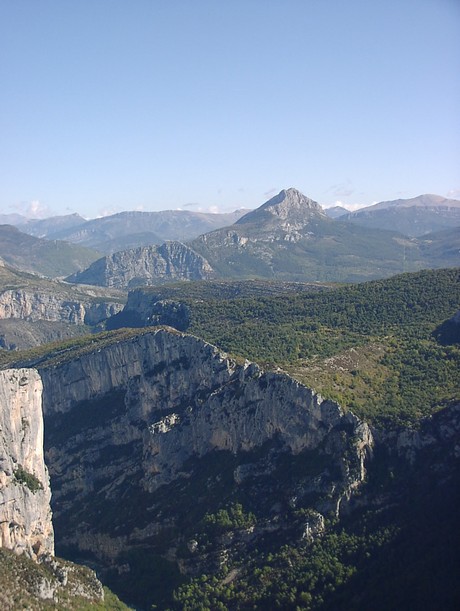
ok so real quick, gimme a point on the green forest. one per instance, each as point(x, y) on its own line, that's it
point(378, 348)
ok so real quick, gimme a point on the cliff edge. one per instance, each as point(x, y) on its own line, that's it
point(25, 494)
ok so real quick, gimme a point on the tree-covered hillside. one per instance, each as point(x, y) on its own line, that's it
point(372, 346)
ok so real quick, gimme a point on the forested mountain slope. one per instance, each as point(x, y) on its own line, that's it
point(371, 346)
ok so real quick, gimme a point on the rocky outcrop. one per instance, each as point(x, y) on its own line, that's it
point(31, 578)
point(290, 209)
point(52, 583)
point(146, 265)
point(439, 431)
point(145, 308)
point(33, 305)
point(449, 331)
point(25, 513)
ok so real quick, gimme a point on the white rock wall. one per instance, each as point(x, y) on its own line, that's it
point(25, 513)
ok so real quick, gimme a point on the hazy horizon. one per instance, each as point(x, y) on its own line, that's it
point(41, 214)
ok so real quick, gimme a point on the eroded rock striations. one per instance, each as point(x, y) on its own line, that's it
point(34, 305)
point(146, 265)
point(146, 435)
point(25, 513)
point(180, 397)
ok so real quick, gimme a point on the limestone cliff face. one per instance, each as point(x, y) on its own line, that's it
point(34, 305)
point(441, 430)
point(25, 513)
point(144, 308)
point(146, 265)
point(179, 397)
point(135, 424)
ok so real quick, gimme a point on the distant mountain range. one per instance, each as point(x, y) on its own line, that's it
point(413, 217)
point(50, 227)
point(124, 230)
point(289, 237)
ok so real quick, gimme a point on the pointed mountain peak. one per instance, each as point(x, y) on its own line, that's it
point(289, 200)
point(288, 205)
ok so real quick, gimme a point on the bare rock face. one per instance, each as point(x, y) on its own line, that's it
point(287, 217)
point(146, 265)
point(180, 397)
point(290, 208)
point(131, 424)
point(42, 305)
point(440, 430)
point(25, 513)
point(148, 309)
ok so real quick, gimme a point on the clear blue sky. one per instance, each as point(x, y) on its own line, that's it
point(109, 105)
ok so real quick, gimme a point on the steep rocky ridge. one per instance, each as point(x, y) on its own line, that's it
point(133, 428)
point(25, 513)
point(179, 385)
point(169, 460)
point(289, 210)
point(171, 261)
